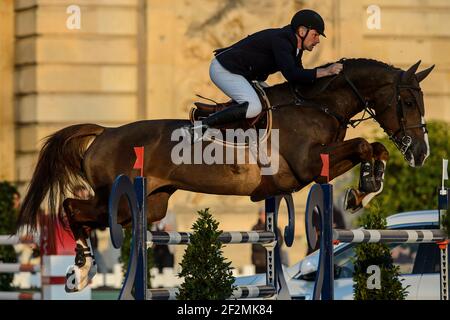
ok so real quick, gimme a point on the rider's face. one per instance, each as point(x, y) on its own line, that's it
point(311, 40)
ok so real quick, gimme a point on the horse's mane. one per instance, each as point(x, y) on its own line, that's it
point(351, 66)
point(361, 63)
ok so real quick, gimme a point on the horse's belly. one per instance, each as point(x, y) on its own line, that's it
point(218, 179)
point(247, 179)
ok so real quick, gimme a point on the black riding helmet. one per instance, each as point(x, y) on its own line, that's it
point(309, 19)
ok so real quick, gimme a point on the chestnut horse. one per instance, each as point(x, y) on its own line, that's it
point(312, 120)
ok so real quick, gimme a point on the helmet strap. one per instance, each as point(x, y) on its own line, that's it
point(303, 38)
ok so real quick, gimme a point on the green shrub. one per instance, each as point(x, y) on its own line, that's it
point(376, 254)
point(207, 276)
point(7, 225)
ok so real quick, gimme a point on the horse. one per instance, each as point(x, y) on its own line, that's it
point(311, 120)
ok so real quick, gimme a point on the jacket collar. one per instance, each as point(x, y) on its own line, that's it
point(291, 35)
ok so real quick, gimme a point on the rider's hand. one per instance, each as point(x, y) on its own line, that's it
point(332, 69)
point(335, 68)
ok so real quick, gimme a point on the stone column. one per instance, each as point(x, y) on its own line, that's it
point(68, 75)
point(7, 134)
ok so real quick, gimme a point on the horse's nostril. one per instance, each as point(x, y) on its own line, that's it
point(422, 158)
point(419, 158)
point(420, 153)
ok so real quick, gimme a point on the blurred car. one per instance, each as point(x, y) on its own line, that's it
point(419, 264)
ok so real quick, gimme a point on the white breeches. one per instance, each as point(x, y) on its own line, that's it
point(236, 87)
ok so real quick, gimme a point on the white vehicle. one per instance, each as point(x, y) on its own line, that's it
point(419, 264)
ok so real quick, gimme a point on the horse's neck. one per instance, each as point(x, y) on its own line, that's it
point(341, 99)
point(331, 99)
point(348, 102)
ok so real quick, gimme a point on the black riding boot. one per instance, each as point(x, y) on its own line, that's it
point(230, 114)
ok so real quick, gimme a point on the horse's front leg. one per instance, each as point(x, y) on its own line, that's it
point(370, 181)
point(345, 155)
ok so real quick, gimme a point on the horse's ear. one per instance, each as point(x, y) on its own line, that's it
point(424, 73)
point(407, 75)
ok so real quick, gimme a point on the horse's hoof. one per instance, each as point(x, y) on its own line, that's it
point(350, 201)
point(75, 281)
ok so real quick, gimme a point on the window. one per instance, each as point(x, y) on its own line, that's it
point(344, 261)
point(403, 254)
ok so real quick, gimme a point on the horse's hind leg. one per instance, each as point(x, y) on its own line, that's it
point(83, 215)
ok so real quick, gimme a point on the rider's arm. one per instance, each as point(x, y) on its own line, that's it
point(291, 70)
point(322, 72)
point(332, 69)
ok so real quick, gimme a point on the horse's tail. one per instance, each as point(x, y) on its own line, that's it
point(58, 170)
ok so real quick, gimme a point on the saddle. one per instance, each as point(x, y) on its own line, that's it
point(203, 110)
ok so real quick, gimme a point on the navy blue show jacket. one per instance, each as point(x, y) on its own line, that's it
point(266, 52)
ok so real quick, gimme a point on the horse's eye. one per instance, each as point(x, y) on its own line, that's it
point(409, 103)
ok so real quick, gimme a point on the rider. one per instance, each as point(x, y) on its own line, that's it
point(259, 55)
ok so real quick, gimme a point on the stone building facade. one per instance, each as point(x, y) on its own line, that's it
point(138, 59)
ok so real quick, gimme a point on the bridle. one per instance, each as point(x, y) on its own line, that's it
point(404, 141)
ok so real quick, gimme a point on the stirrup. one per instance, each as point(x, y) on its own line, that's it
point(194, 134)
